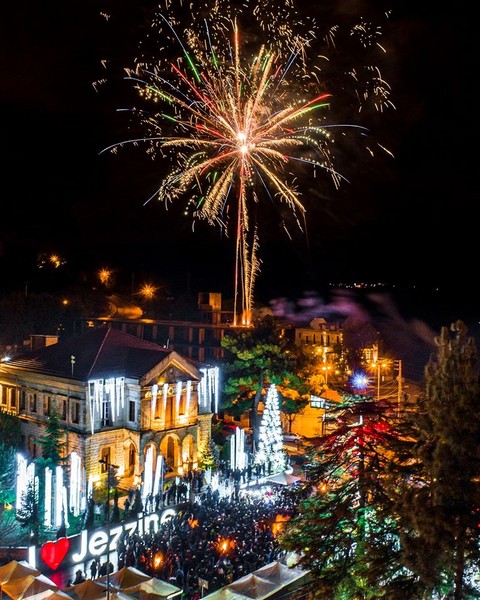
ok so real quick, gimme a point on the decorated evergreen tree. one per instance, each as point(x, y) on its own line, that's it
point(255, 358)
point(10, 430)
point(270, 448)
point(440, 509)
point(209, 456)
point(51, 441)
point(28, 512)
point(53, 446)
point(346, 530)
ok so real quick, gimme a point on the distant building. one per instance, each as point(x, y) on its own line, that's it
point(196, 340)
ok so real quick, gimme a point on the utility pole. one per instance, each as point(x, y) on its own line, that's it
point(400, 389)
point(108, 466)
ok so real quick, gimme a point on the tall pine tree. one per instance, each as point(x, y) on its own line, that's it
point(52, 441)
point(441, 510)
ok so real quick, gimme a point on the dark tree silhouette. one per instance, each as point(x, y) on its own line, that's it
point(28, 513)
point(441, 510)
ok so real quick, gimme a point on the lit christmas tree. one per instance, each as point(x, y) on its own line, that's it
point(270, 447)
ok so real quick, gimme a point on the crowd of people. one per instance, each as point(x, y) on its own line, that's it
point(217, 541)
point(211, 541)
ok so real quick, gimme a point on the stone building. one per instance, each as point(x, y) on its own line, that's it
point(119, 399)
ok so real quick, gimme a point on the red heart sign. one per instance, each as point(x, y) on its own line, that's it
point(52, 553)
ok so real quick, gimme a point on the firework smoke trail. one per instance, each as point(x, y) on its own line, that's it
point(239, 120)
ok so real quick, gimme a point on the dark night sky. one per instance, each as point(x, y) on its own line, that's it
point(410, 219)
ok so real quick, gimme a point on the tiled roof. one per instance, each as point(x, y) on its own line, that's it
point(101, 352)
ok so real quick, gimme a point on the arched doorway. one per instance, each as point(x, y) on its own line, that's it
point(130, 459)
point(170, 448)
point(189, 457)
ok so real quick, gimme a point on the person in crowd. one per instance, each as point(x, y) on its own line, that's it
point(93, 569)
point(79, 577)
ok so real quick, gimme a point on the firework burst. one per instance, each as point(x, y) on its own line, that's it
point(238, 119)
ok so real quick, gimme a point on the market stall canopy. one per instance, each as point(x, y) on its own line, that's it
point(116, 596)
point(15, 569)
point(126, 577)
point(225, 593)
point(90, 589)
point(33, 587)
point(283, 479)
point(59, 595)
point(281, 573)
point(275, 580)
point(153, 589)
point(253, 586)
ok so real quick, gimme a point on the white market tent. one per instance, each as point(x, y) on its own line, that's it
point(90, 589)
point(138, 585)
point(283, 479)
point(15, 569)
point(153, 589)
point(273, 579)
point(126, 577)
point(34, 587)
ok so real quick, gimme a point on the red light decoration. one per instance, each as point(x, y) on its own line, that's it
point(52, 553)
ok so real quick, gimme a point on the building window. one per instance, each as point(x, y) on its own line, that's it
point(22, 400)
point(64, 410)
point(13, 397)
point(33, 403)
point(105, 459)
point(131, 411)
point(3, 395)
point(75, 412)
point(106, 416)
point(182, 405)
point(47, 405)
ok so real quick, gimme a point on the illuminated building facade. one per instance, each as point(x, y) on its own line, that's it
point(121, 400)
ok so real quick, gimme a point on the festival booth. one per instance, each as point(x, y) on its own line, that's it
point(90, 589)
point(59, 595)
point(125, 577)
point(19, 580)
point(153, 589)
point(284, 478)
point(271, 581)
point(15, 569)
point(33, 587)
point(136, 584)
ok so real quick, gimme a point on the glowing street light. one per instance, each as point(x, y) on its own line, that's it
point(148, 291)
point(360, 381)
point(379, 365)
point(105, 275)
point(326, 369)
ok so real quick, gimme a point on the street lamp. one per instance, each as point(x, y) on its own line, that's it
point(108, 467)
point(326, 369)
point(379, 365)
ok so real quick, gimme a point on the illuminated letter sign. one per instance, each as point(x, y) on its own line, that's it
point(93, 544)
